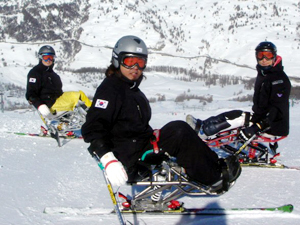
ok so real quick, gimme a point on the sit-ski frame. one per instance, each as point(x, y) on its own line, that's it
point(175, 185)
point(229, 142)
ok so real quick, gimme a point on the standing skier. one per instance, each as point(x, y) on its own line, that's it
point(44, 87)
point(117, 125)
point(270, 102)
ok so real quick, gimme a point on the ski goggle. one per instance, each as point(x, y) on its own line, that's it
point(47, 57)
point(267, 55)
point(131, 61)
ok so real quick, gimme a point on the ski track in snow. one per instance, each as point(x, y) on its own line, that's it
point(35, 173)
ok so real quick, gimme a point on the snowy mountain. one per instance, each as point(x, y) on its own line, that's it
point(204, 38)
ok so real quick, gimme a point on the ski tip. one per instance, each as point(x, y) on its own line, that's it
point(287, 208)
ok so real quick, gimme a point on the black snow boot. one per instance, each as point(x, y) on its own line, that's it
point(231, 170)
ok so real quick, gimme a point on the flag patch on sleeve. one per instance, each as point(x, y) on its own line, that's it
point(102, 104)
point(32, 80)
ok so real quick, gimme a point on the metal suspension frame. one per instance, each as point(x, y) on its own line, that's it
point(74, 119)
point(230, 143)
point(175, 185)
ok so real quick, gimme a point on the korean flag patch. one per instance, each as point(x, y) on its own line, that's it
point(32, 80)
point(102, 104)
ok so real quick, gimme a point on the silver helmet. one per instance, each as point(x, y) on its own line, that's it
point(128, 45)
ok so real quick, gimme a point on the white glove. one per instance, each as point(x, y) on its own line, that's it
point(44, 110)
point(115, 171)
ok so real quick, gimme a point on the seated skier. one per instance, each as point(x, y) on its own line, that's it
point(44, 88)
point(270, 102)
point(117, 126)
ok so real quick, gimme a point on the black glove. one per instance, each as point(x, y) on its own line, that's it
point(248, 132)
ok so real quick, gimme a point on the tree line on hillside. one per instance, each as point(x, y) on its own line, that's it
point(92, 74)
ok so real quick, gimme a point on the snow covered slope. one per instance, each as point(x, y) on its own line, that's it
point(35, 174)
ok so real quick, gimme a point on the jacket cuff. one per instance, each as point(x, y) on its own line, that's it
point(98, 147)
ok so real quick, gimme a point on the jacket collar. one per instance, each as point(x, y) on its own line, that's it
point(133, 84)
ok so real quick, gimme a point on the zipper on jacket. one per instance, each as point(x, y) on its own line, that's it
point(139, 109)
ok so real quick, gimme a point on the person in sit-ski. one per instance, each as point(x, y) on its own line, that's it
point(44, 87)
point(117, 125)
point(270, 102)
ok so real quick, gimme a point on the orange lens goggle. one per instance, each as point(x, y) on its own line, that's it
point(48, 57)
point(267, 55)
point(132, 61)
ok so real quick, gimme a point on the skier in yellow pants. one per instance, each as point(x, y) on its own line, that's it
point(44, 87)
point(60, 111)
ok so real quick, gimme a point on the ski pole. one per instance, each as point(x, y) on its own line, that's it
point(42, 118)
point(110, 189)
point(245, 144)
point(250, 140)
point(53, 132)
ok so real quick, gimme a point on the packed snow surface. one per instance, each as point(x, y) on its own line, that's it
point(35, 173)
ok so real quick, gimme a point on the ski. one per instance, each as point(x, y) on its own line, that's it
point(181, 211)
point(55, 136)
point(269, 165)
point(45, 136)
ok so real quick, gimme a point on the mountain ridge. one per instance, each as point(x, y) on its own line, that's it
point(210, 39)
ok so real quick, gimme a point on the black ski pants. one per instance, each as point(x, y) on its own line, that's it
point(179, 140)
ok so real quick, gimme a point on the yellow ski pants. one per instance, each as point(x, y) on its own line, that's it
point(68, 100)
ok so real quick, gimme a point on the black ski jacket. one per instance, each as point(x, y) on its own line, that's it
point(271, 98)
point(118, 120)
point(44, 86)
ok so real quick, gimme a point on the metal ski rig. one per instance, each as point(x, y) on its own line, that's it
point(68, 121)
point(161, 185)
point(164, 183)
point(166, 177)
point(254, 151)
